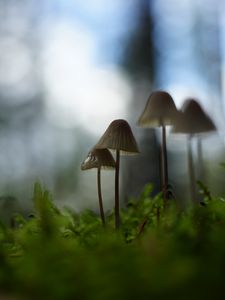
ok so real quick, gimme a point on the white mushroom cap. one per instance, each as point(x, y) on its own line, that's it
point(159, 110)
point(119, 136)
point(98, 158)
point(192, 119)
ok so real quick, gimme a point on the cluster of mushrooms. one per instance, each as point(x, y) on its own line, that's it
point(160, 111)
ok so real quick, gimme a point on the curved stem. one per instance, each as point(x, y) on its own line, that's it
point(117, 201)
point(100, 196)
point(191, 171)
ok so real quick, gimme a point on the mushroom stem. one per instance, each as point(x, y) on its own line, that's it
point(200, 159)
point(117, 201)
point(191, 170)
point(100, 196)
point(164, 166)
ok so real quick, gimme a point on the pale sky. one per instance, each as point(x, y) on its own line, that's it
point(80, 92)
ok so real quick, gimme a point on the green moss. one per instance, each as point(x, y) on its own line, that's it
point(157, 254)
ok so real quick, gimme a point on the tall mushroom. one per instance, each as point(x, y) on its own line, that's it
point(192, 120)
point(119, 137)
point(160, 110)
point(99, 158)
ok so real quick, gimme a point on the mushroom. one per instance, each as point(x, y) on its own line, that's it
point(99, 158)
point(160, 110)
point(119, 137)
point(192, 120)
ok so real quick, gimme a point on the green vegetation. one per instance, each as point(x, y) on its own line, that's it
point(156, 254)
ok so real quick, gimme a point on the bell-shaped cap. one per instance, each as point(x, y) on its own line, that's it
point(98, 158)
point(193, 119)
point(118, 136)
point(160, 110)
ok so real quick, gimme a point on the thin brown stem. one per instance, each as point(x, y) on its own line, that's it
point(164, 167)
point(142, 226)
point(117, 201)
point(191, 171)
point(200, 160)
point(100, 196)
point(161, 168)
point(165, 155)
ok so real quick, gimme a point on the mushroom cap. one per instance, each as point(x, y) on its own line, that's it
point(193, 119)
point(160, 110)
point(98, 158)
point(118, 136)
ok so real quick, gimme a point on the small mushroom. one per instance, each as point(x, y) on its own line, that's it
point(160, 110)
point(119, 137)
point(192, 120)
point(99, 158)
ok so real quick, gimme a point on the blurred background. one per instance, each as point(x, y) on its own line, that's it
point(69, 67)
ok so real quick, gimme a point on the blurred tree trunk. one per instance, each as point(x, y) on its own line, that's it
point(207, 45)
point(139, 62)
